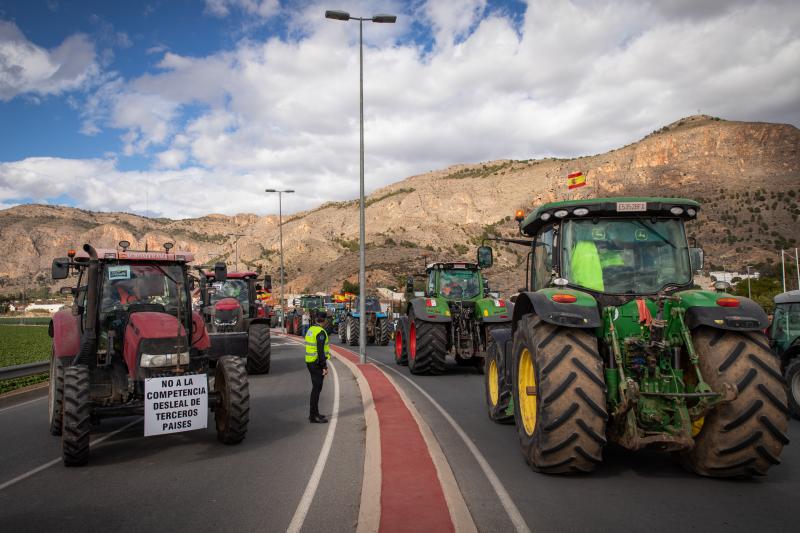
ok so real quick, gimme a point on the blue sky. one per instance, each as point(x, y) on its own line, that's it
point(205, 103)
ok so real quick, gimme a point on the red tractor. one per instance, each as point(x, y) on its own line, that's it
point(131, 345)
point(236, 318)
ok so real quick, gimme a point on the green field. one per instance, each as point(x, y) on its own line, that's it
point(23, 344)
point(28, 320)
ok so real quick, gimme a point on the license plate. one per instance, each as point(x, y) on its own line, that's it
point(627, 207)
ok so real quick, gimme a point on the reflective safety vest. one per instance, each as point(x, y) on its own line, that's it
point(311, 344)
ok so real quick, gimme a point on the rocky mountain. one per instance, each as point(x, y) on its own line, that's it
point(747, 175)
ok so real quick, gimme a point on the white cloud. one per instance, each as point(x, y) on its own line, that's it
point(570, 78)
point(260, 8)
point(26, 68)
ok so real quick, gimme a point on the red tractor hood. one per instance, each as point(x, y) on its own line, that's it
point(148, 325)
point(227, 304)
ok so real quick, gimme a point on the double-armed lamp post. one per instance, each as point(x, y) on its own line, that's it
point(362, 281)
point(280, 232)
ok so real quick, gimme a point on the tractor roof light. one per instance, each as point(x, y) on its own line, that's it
point(519, 215)
point(545, 217)
point(560, 282)
point(580, 212)
point(564, 298)
point(71, 253)
point(691, 212)
point(561, 213)
point(676, 210)
point(728, 302)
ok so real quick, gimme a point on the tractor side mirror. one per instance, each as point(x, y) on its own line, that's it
point(60, 269)
point(485, 259)
point(410, 284)
point(696, 258)
point(258, 287)
point(268, 283)
point(67, 290)
point(220, 272)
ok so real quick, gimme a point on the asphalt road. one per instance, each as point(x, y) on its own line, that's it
point(189, 481)
point(628, 491)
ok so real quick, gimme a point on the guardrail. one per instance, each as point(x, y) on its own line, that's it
point(22, 371)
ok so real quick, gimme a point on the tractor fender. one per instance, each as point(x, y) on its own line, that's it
point(747, 317)
point(571, 315)
point(200, 339)
point(425, 314)
point(65, 331)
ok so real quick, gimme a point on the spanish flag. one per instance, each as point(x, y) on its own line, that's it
point(575, 180)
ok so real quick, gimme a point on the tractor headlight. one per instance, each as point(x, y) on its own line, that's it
point(676, 210)
point(545, 217)
point(150, 360)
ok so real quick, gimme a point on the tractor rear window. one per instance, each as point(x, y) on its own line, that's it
point(786, 322)
point(625, 256)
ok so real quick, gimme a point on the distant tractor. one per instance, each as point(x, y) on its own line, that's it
point(611, 341)
point(307, 303)
point(131, 345)
point(237, 318)
point(453, 316)
point(376, 323)
point(784, 334)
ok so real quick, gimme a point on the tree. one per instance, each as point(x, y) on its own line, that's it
point(349, 287)
point(763, 290)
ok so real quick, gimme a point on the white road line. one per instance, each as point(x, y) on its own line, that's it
point(502, 494)
point(311, 489)
point(45, 466)
point(4, 409)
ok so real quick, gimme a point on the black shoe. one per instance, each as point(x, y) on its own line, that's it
point(318, 419)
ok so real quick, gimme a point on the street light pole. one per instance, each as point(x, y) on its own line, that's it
point(362, 267)
point(749, 295)
point(236, 245)
point(280, 233)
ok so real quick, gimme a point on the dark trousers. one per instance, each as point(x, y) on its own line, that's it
point(316, 387)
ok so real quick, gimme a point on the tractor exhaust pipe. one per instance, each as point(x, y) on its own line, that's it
point(87, 352)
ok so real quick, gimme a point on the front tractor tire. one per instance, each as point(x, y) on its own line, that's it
point(382, 332)
point(498, 392)
point(76, 416)
point(427, 347)
point(232, 413)
point(55, 394)
point(259, 349)
point(559, 397)
point(342, 330)
point(743, 437)
point(352, 331)
point(793, 386)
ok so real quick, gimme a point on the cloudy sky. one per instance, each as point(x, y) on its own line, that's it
point(180, 108)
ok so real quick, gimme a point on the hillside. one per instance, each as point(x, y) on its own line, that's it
point(747, 175)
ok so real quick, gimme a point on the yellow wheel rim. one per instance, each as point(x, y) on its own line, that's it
point(697, 426)
point(526, 387)
point(494, 395)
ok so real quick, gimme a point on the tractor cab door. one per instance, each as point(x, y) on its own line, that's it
point(430, 288)
point(543, 260)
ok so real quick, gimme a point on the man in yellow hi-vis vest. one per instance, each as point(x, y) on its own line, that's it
point(318, 351)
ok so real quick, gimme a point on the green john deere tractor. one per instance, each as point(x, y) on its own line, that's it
point(454, 315)
point(784, 334)
point(612, 342)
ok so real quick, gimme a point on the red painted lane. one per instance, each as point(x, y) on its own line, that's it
point(412, 498)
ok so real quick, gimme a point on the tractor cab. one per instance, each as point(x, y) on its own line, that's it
point(455, 281)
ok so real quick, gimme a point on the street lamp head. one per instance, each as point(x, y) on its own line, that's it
point(270, 190)
point(388, 19)
point(289, 190)
point(337, 15)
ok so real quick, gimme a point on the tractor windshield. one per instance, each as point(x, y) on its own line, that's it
point(625, 256)
point(125, 285)
point(785, 324)
point(311, 302)
point(372, 305)
point(231, 288)
point(461, 284)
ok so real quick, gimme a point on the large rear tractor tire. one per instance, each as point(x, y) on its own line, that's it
point(297, 325)
point(498, 391)
point(55, 395)
point(401, 341)
point(743, 437)
point(382, 332)
point(352, 331)
point(77, 411)
point(342, 330)
point(232, 413)
point(793, 386)
point(559, 397)
point(259, 349)
point(427, 347)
